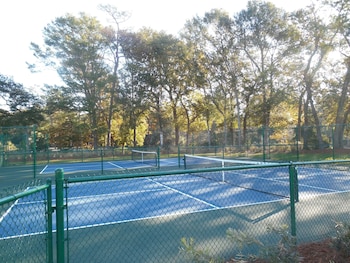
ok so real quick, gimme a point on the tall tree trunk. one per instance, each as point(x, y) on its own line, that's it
point(111, 101)
point(94, 129)
point(239, 124)
point(306, 128)
point(317, 124)
point(341, 115)
point(176, 126)
point(300, 112)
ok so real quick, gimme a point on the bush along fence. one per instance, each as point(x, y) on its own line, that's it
point(175, 216)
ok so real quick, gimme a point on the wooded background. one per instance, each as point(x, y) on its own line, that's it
point(222, 76)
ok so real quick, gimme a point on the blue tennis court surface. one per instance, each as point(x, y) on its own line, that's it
point(118, 201)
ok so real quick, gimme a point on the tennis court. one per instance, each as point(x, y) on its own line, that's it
point(127, 200)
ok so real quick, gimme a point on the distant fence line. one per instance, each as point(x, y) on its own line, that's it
point(18, 146)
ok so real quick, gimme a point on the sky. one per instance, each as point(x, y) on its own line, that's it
point(23, 21)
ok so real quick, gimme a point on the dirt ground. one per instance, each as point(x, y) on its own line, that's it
point(321, 252)
point(317, 252)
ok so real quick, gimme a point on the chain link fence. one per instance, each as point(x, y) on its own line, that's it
point(26, 223)
point(26, 150)
point(175, 216)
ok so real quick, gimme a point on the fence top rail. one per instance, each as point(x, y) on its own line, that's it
point(27, 192)
point(322, 162)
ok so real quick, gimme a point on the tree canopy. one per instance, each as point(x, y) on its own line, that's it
point(20, 107)
point(261, 67)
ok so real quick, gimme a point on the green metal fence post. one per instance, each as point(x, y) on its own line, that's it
point(49, 222)
point(333, 152)
point(293, 196)
point(263, 143)
point(101, 161)
point(34, 151)
point(158, 157)
point(299, 140)
point(178, 156)
point(47, 148)
point(60, 215)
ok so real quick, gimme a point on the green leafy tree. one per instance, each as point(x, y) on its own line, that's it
point(67, 130)
point(213, 36)
point(162, 71)
point(316, 43)
point(268, 41)
point(20, 107)
point(134, 104)
point(77, 47)
point(341, 22)
point(115, 56)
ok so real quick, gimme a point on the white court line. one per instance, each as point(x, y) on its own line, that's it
point(43, 170)
point(8, 211)
point(116, 165)
point(319, 188)
point(180, 192)
point(168, 162)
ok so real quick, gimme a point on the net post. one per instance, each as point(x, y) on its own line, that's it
point(293, 196)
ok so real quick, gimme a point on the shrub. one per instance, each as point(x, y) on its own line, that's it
point(196, 255)
point(284, 252)
point(341, 242)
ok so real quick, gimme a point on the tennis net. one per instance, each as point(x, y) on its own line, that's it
point(273, 180)
point(145, 157)
point(195, 161)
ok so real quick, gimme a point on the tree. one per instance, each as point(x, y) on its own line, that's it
point(117, 17)
point(134, 104)
point(173, 73)
point(162, 70)
point(267, 41)
point(317, 42)
point(77, 46)
point(341, 20)
point(214, 37)
point(67, 129)
point(21, 107)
